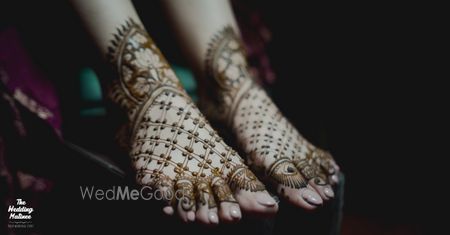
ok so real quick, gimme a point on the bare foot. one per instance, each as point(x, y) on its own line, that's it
point(173, 148)
point(300, 172)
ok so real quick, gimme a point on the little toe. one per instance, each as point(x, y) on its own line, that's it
point(334, 178)
point(329, 166)
point(164, 189)
point(168, 210)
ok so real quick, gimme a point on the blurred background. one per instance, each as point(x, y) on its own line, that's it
point(346, 76)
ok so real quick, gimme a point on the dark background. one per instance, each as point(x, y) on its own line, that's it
point(353, 79)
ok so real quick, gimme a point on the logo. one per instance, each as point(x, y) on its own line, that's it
point(20, 216)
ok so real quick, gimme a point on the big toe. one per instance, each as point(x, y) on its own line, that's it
point(251, 194)
point(260, 203)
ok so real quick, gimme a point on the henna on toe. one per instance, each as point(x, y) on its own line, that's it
point(251, 193)
point(300, 172)
point(206, 205)
point(185, 196)
point(173, 148)
point(229, 211)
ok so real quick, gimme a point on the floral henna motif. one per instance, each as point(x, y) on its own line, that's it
point(283, 172)
point(141, 67)
point(227, 65)
point(172, 146)
point(265, 135)
point(243, 178)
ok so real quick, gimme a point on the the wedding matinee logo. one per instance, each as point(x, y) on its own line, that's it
point(20, 215)
point(127, 193)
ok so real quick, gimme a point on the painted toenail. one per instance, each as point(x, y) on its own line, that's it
point(335, 179)
point(168, 210)
point(265, 199)
point(312, 197)
point(191, 216)
point(328, 192)
point(213, 217)
point(235, 212)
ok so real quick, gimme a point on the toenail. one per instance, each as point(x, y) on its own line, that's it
point(191, 216)
point(235, 212)
point(312, 197)
point(213, 217)
point(328, 192)
point(168, 210)
point(335, 179)
point(265, 199)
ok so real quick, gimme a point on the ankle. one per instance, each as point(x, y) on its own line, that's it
point(142, 70)
point(226, 71)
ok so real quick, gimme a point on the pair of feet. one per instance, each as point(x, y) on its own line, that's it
point(175, 150)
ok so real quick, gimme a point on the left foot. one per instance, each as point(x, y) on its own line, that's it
point(300, 171)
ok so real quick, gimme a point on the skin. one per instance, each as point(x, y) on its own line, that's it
point(201, 26)
point(143, 72)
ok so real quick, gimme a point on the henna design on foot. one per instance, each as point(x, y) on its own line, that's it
point(172, 147)
point(269, 140)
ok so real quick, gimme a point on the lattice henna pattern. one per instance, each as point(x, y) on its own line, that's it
point(172, 146)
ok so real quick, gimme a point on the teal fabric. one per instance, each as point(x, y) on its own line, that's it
point(90, 86)
point(187, 79)
point(91, 92)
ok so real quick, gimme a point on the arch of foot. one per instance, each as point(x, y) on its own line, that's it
point(269, 140)
point(173, 148)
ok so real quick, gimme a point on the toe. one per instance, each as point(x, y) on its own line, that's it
point(292, 185)
point(168, 210)
point(251, 193)
point(206, 205)
point(259, 203)
point(322, 187)
point(328, 165)
point(213, 216)
point(163, 186)
point(229, 210)
point(317, 178)
point(334, 178)
point(185, 199)
point(304, 197)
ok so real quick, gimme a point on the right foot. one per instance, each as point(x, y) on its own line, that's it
point(300, 172)
point(173, 148)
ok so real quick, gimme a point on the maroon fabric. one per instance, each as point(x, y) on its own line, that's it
point(256, 35)
point(25, 82)
point(22, 85)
